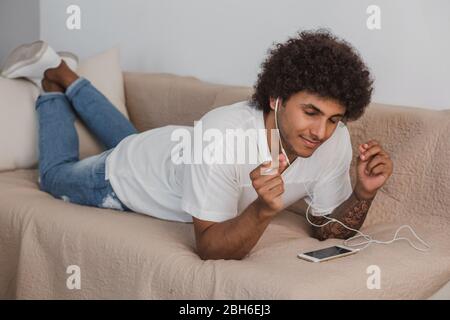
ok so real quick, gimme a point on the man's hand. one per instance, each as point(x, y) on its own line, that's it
point(234, 238)
point(269, 186)
point(374, 167)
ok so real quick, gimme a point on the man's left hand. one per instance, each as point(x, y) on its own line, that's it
point(373, 168)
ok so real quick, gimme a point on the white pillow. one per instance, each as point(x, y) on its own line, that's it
point(18, 116)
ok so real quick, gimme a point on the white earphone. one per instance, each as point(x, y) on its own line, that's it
point(279, 134)
point(368, 239)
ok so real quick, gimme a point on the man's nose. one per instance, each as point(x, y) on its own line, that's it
point(319, 131)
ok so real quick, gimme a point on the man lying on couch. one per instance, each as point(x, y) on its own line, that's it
point(309, 87)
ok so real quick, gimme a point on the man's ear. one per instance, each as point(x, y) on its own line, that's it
point(272, 103)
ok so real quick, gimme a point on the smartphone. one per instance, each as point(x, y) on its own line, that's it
point(327, 253)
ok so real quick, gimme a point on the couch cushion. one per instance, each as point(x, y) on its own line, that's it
point(18, 124)
point(18, 118)
point(128, 255)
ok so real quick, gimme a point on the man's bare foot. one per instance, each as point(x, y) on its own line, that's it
point(61, 75)
point(50, 86)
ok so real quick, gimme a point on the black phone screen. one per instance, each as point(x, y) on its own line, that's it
point(327, 252)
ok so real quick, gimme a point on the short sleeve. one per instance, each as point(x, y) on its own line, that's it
point(210, 190)
point(334, 187)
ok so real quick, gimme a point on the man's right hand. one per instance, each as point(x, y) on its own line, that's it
point(234, 238)
point(269, 187)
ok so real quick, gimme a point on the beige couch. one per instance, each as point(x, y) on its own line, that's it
point(128, 255)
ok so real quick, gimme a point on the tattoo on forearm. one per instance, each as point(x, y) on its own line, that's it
point(352, 212)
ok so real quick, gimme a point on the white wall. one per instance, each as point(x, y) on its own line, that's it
point(226, 41)
point(19, 23)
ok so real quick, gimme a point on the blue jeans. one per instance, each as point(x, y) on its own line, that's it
point(61, 172)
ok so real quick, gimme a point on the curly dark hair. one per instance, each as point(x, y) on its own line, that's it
point(319, 63)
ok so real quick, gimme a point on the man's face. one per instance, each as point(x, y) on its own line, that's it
point(306, 117)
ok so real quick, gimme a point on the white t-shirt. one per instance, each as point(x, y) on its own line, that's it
point(145, 177)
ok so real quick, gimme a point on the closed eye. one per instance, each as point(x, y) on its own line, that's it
point(315, 114)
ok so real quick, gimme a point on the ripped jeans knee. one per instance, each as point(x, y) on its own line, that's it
point(110, 201)
point(106, 199)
